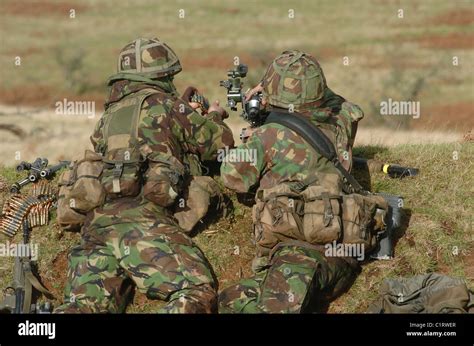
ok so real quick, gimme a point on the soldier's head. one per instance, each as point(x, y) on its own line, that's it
point(295, 80)
point(149, 58)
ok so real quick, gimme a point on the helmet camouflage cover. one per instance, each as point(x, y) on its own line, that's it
point(294, 78)
point(155, 59)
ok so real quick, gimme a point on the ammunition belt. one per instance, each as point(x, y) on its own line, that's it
point(34, 208)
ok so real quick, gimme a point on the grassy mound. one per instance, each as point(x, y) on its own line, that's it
point(437, 237)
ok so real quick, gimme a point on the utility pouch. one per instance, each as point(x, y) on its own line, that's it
point(322, 216)
point(163, 180)
point(277, 217)
point(200, 194)
point(121, 178)
point(363, 217)
point(80, 191)
point(67, 218)
point(87, 192)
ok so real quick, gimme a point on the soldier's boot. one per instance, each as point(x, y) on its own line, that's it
point(298, 280)
point(95, 283)
point(196, 300)
point(335, 276)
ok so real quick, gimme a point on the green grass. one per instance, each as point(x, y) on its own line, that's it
point(438, 212)
point(440, 202)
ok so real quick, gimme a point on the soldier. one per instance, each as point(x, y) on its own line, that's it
point(151, 140)
point(292, 275)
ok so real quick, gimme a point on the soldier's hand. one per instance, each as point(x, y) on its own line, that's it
point(246, 133)
point(215, 107)
point(251, 92)
point(194, 105)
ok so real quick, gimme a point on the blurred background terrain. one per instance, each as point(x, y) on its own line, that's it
point(408, 59)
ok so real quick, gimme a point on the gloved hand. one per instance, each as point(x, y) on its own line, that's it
point(195, 99)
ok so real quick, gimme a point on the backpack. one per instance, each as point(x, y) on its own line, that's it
point(117, 172)
point(318, 214)
point(326, 207)
point(123, 162)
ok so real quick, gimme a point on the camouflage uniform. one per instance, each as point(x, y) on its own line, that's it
point(294, 276)
point(133, 238)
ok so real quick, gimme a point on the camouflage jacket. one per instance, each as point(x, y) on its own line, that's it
point(168, 127)
point(283, 156)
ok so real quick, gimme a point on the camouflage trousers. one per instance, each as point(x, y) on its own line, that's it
point(160, 260)
point(296, 280)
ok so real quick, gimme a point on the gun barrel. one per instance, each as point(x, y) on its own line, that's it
point(16, 187)
point(33, 176)
point(19, 300)
point(48, 172)
point(23, 166)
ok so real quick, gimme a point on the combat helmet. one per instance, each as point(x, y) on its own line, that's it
point(148, 57)
point(294, 78)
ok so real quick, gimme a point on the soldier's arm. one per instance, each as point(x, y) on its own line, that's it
point(244, 176)
point(205, 134)
point(156, 130)
point(348, 117)
point(164, 172)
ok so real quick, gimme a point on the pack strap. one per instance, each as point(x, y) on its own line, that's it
point(144, 93)
point(38, 285)
point(31, 281)
point(317, 140)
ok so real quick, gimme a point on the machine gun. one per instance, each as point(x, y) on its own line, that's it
point(251, 108)
point(25, 212)
point(18, 298)
point(37, 170)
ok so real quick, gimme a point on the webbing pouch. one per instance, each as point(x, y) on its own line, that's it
point(363, 217)
point(80, 190)
point(322, 215)
point(121, 178)
point(276, 217)
point(163, 181)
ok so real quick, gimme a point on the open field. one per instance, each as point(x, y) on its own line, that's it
point(409, 58)
point(401, 58)
point(62, 137)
